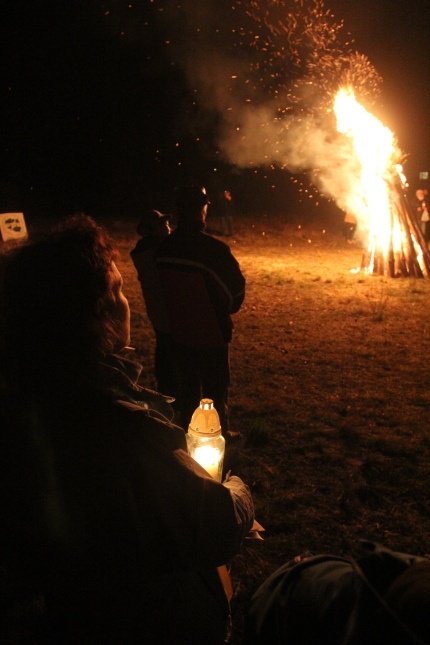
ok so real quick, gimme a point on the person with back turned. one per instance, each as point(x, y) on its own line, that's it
point(203, 285)
point(153, 227)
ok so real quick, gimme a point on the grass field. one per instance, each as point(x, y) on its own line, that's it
point(330, 388)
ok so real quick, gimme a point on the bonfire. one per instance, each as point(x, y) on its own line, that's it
point(377, 195)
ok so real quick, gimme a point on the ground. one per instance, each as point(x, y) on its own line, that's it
point(330, 388)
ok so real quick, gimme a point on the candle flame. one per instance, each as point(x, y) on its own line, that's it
point(209, 458)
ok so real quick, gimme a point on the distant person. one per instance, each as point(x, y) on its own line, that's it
point(381, 598)
point(203, 285)
point(106, 522)
point(349, 226)
point(154, 227)
point(226, 211)
point(421, 211)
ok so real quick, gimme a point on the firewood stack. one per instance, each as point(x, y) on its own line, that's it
point(407, 257)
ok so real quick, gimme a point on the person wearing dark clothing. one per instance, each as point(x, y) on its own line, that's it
point(420, 208)
point(154, 227)
point(382, 598)
point(203, 285)
point(108, 525)
point(349, 226)
point(226, 213)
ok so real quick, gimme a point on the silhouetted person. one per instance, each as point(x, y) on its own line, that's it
point(349, 226)
point(203, 285)
point(106, 520)
point(421, 211)
point(154, 227)
point(381, 598)
point(226, 213)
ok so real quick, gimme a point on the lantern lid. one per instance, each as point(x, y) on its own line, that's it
point(205, 420)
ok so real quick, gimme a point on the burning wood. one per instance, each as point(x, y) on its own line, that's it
point(376, 196)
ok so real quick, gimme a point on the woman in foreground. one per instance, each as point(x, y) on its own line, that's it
point(106, 520)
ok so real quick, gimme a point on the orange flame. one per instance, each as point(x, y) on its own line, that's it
point(371, 196)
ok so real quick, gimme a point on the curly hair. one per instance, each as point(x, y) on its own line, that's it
point(55, 302)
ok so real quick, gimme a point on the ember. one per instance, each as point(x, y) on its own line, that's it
point(376, 195)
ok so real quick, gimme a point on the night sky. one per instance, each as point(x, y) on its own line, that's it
point(107, 106)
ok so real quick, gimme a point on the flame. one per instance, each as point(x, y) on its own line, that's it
point(374, 149)
point(373, 195)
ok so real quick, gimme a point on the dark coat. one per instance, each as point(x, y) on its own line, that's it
point(143, 257)
point(330, 600)
point(110, 522)
point(203, 285)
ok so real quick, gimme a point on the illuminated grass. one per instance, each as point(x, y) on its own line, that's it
point(330, 374)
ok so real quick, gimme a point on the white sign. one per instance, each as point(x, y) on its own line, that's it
point(12, 226)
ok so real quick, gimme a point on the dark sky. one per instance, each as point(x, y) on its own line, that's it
point(103, 105)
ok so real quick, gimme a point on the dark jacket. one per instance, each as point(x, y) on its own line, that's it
point(330, 600)
point(143, 257)
point(203, 285)
point(110, 523)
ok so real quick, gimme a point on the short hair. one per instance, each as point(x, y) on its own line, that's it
point(190, 200)
point(55, 297)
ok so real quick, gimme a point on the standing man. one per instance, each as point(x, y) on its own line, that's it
point(153, 227)
point(227, 214)
point(349, 226)
point(422, 211)
point(202, 285)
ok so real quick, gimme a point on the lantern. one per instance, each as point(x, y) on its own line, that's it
point(204, 439)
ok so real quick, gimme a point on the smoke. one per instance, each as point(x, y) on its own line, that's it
point(269, 75)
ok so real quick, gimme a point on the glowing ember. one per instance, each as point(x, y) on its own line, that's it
point(375, 194)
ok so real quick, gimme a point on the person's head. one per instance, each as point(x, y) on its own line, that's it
point(191, 205)
point(420, 194)
point(61, 302)
point(154, 223)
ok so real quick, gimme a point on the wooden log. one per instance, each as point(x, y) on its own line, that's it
point(413, 257)
point(412, 227)
point(399, 213)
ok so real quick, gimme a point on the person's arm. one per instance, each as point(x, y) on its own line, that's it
point(229, 277)
point(243, 504)
point(223, 514)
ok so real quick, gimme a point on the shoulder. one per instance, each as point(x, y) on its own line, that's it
point(215, 242)
point(199, 238)
point(146, 425)
point(200, 249)
point(145, 244)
